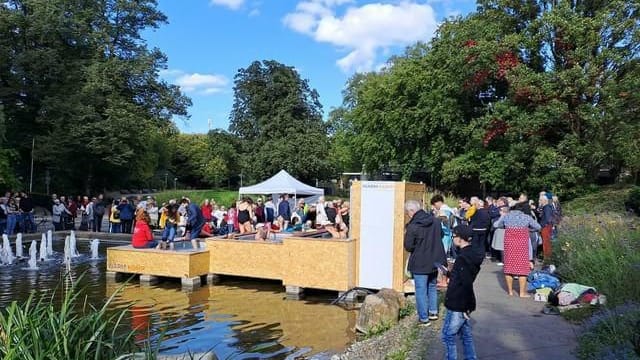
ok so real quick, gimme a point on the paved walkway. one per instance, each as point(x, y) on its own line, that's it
point(511, 328)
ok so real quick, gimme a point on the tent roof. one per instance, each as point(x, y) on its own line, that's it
point(281, 183)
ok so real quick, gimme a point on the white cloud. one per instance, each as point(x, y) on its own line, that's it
point(204, 84)
point(364, 30)
point(231, 4)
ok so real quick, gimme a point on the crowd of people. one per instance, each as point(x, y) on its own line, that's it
point(16, 213)
point(452, 243)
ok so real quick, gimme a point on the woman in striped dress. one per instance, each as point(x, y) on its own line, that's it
point(516, 245)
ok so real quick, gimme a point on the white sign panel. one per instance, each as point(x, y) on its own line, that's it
point(376, 234)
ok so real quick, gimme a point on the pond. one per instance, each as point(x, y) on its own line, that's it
point(237, 318)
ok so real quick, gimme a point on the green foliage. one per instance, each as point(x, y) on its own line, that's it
point(222, 197)
point(37, 329)
point(378, 329)
point(408, 340)
point(609, 199)
point(407, 310)
point(614, 337)
point(633, 200)
point(278, 119)
point(516, 96)
point(602, 251)
point(78, 78)
point(197, 161)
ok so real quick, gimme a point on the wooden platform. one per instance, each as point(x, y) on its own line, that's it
point(187, 265)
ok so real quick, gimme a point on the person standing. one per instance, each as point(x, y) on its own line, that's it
point(423, 239)
point(195, 222)
point(284, 209)
point(517, 246)
point(126, 215)
point(460, 300)
point(546, 224)
point(3, 214)
point(26, 210)
point(98, 213)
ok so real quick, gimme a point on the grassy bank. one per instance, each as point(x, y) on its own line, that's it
point(222, 197)
point(599, 245)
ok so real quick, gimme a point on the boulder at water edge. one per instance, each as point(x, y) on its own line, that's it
point(379, 309)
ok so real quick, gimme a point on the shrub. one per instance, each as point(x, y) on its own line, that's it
point(602, 251)
point(633, 200)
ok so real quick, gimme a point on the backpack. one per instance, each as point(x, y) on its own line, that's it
point(99, 209)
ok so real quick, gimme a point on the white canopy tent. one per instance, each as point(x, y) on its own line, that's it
point(281, 183)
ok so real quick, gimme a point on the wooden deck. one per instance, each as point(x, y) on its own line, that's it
point(187, 265)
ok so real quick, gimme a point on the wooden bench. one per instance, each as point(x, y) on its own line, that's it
point(188, 265)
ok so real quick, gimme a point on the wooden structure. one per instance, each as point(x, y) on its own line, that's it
point(377, 222)
point(189, 266)
point(300, 262)
point(373, 257)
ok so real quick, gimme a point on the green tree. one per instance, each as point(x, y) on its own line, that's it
point(278, 118)
point(79, 78)
point(197, 162)
point(520, 95)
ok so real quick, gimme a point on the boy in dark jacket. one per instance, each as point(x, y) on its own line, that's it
point(460, 300)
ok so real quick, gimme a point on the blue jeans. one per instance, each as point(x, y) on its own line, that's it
point(169, 233)
point(115, 228)
point(12, 221)
point(426, 291)
point(455, 324)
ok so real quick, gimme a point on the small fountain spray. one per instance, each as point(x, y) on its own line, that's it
point(49, 242)
point(19, 249)
point(43, 248)
point(73, 250)
point(33, 254)
point(7, 253)
point(95, 244)
point(67, 250)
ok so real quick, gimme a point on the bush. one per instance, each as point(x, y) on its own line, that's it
point(38, 329)
point(633, 200)
point(602, 251)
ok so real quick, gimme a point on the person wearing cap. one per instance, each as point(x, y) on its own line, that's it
point(460, 299)
point(423, 239)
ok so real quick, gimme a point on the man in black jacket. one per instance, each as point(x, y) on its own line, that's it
point(460, 300)
point(423, 239)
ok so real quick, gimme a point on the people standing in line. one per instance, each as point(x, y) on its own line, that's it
point(284, 209)
point(269, 210)
point(99, 208)
point(114, 219)
point(546, 225)
point(207, 210)
point(27, 221)
point(423, 239)
point(13, 213)
point(480, 222)
point(517, 246)
point(58, 214)
point(460, 299)
point(126, 215)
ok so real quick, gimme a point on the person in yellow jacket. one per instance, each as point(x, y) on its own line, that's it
point(114, 219)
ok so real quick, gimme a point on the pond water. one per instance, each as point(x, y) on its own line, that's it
point(238, 318)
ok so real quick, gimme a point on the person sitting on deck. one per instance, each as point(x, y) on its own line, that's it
point(142, 237)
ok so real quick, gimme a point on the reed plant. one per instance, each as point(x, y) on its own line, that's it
point(45, 328)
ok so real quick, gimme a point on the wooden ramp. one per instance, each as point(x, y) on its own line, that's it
point(188, 265)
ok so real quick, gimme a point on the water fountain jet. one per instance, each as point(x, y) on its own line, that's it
point(49, 242)
point(73, 250)
point(7, 253)
point(33, 250)
point(95, 244)
point(19, 249)
point(43, 248)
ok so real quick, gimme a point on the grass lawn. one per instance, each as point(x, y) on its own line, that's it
point(221, 197)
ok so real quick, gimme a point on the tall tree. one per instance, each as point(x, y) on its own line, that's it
point(278, 118)
point(519, 95)
point(79, 78)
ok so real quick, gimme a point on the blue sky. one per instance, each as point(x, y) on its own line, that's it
point(327, 41)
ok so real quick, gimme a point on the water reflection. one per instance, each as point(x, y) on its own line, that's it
point(237, 318)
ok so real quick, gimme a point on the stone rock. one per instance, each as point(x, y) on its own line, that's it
point(379, 309)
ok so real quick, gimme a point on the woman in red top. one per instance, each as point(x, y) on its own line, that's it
point(206, 209)
point(142, 236)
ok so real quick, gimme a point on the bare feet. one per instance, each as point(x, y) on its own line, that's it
point(524, 295)
point(511, 293)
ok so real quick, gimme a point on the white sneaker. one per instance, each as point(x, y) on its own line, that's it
point(500, 264)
